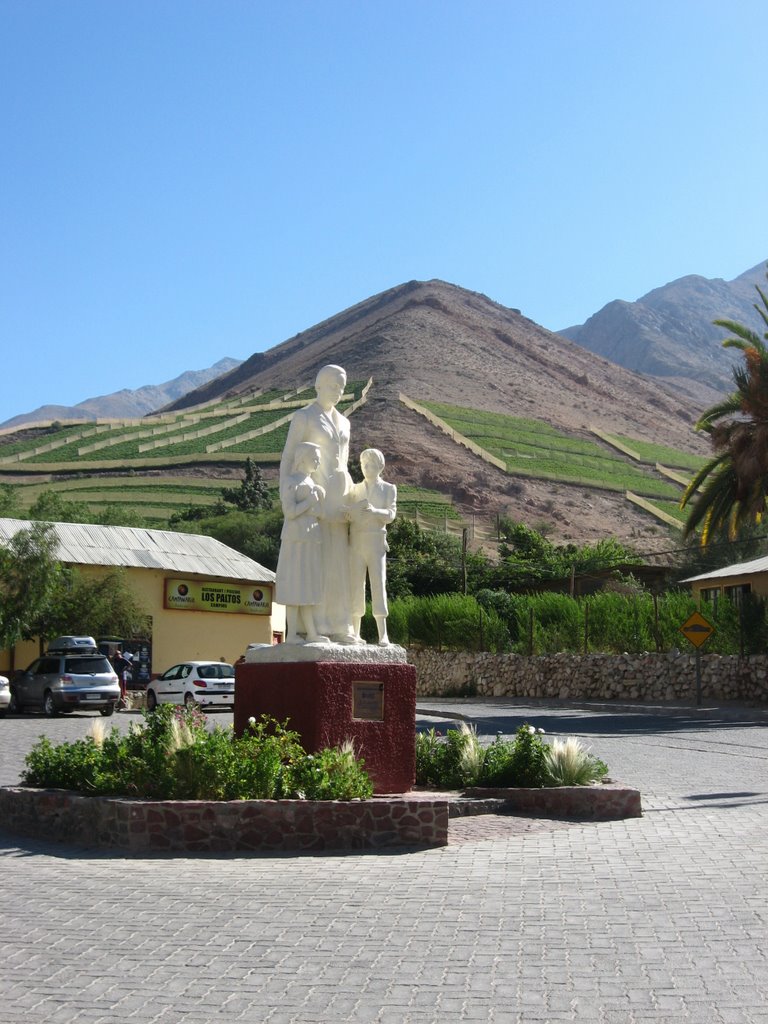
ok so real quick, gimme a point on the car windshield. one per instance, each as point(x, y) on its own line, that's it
point(85, 666)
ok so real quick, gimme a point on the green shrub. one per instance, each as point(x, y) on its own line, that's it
point(452, 761)
point(518, 762)
point(458, 760)
point(173, 756)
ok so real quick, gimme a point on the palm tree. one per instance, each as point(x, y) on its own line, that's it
point(730, 491)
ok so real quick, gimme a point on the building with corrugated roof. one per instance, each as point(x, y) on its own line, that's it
point(205, 600)
point(732, 581)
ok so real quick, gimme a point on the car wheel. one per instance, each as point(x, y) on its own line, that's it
point(151, 700)
point(14, 707)
point(107, 711)
point(48, 705)
point(2, 712)
point(189, 701)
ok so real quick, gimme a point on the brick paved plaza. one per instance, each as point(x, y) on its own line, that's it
point(661, 918)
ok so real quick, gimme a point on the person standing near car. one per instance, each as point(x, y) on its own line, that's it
point(121, 666)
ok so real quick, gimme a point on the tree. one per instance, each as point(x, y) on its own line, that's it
point(9, 502)
point(255, 534)
point(253, 494)
point(528, 558)
point(51, 507)
point(91, 606)
point(730, 490)
point(29, 576)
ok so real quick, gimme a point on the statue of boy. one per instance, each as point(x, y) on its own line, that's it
point(372, 506)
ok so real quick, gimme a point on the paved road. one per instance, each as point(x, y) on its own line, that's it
point(662, 918)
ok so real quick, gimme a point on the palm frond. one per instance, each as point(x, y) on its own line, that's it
point(762, 313)
point(745, 336)
point(727, 407)
point(711, 467)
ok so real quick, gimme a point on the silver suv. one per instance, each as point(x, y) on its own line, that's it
point(73, 674)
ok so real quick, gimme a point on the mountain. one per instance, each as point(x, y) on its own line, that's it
point(669, 333)
point(436, 341)
point(126, 404)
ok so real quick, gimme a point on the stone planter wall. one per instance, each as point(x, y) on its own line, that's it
point(606, 802)
point(645, 677)
point(197, 826)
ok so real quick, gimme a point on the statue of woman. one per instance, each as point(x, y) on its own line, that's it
point(323, 425)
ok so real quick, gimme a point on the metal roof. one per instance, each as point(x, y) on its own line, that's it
point(130, 547)
point(740, 569)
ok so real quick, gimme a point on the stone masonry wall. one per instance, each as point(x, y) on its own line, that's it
point(645, 677)
point(198, 826)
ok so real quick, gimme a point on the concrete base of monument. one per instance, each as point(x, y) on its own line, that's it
point(368, 700)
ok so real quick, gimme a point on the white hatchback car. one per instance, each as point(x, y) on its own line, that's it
point(5, 696)
point(207, 683)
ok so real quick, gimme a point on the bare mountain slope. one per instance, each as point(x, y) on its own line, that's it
point(669, 332)
point(436, 341)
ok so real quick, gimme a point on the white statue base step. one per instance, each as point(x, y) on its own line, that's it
point(359, 654)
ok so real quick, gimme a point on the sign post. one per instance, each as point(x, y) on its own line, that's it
point(698, 630)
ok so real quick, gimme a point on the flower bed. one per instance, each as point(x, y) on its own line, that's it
point(172, 786)
point(417, 820)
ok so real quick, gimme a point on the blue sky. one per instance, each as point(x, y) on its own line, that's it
point(186, 180)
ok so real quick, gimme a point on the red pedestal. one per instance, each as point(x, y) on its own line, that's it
point(324, 702)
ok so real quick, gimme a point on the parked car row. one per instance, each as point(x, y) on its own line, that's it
point(74, 674)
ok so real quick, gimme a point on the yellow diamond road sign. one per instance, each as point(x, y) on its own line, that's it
point(697, 629)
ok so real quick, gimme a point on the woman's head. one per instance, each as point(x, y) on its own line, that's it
point(330, 383)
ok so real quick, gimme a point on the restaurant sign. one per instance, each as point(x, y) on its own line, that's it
point(197, 596)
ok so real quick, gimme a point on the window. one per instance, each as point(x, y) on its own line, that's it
point(736, 593)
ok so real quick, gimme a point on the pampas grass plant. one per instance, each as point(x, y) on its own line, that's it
point(569, 763)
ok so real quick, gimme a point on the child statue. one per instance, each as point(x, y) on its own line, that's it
point(299, 578)
point(372, 506)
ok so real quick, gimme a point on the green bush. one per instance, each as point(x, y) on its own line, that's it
point(518, 762)
point(457, 760)
point(173, 756)
point(611, 622)
point(452, 761)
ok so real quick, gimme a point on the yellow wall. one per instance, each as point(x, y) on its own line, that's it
point(178, 635)
point(758, 583)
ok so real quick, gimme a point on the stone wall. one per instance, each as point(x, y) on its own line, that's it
point(197, 826)
point(644, 677)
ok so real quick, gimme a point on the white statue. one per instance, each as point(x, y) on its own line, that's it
point(324, 426)
point(299, 577)
point(372, 506)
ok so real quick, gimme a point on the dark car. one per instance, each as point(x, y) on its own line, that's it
point(73, 674)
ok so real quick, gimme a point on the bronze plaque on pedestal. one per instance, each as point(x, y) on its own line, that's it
point(368, 701)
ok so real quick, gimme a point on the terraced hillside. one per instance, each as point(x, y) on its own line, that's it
point(513, 461)
point(220, 431)
point(156, 498)
point(146, 465)
point(531, 448)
